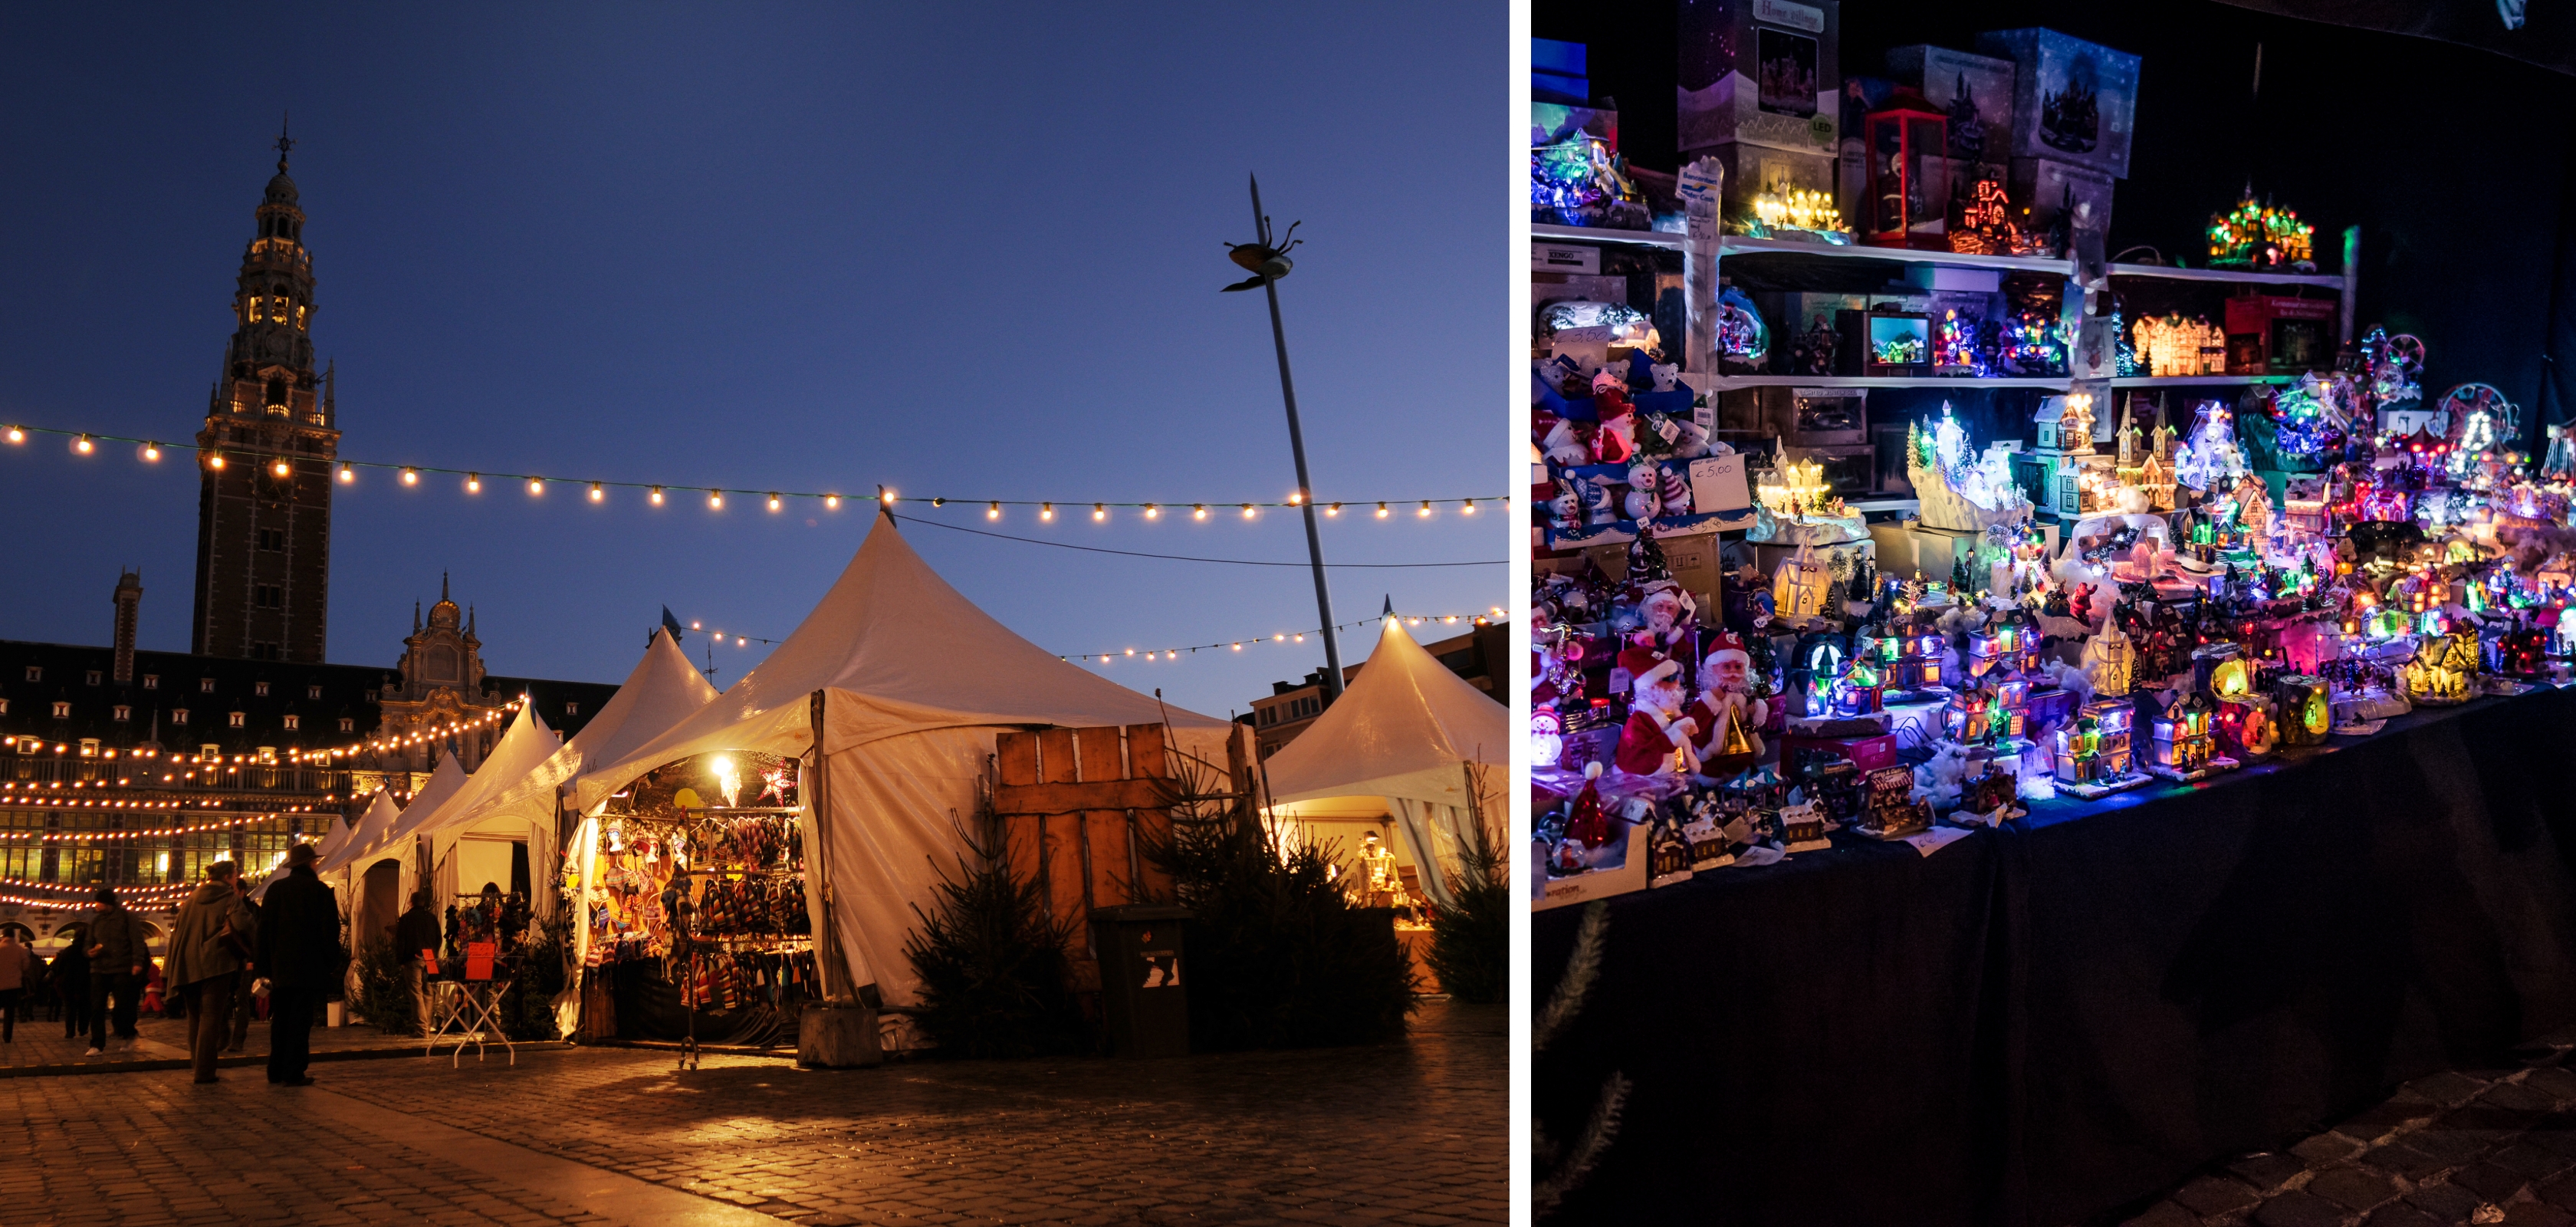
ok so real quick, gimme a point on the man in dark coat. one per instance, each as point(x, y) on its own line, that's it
point(119, 952)
point(299, 951)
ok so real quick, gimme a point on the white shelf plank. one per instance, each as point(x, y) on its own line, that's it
point(1587, 234)
point(2239, 276)
point(2197, 381)
point(1738, 245)
point(1724, 382)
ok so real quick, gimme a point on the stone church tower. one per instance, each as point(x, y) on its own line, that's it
point(441, 689)
point(264, 458)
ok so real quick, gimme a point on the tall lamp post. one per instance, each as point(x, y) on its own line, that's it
point(1267, 259)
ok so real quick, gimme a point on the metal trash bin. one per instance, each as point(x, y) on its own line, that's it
point(1141, 988)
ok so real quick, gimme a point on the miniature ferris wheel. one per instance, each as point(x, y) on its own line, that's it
point(2475, 417)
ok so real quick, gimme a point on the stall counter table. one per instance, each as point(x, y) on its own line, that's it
point(2040, 1024)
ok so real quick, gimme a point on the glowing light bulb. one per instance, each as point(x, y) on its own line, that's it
point(280, 468)
point(773, 500)
point(1238, 647)
point(885, 496)
point(657, 496)
point(1198, 511)
point(1299, 638)
point(214, 460)
point(1381, 511)
point(1046, 511)
point(347, 475)
point(17, 434)
point(473, 483)
point(1426, 508)
point(1152, 511)
point(1467, 508)
point(715, 500)
point(1296, 498)
point(536, 486)
point(992, 511)
point(597, 494)
point(1131, 651)
point(1099, 512)
point(939, 502)
point(152, 451)
point(1334, 510)
point(1247, 511)
point(1279, 639)
point(81, 445)
point(411, 477)
point(831, 502)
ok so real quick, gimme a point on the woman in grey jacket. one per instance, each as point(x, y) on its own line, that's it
point(208, 949)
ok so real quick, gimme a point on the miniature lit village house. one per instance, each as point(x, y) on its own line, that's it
point(2095, 753)
point(2180, 738)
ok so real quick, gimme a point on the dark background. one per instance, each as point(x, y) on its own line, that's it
point(2452, 160)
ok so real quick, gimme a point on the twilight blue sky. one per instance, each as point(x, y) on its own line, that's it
point(959, 249)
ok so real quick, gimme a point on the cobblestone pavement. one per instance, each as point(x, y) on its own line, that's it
point(42, 1043)
point(2475, 1146)
point(1411, 1132)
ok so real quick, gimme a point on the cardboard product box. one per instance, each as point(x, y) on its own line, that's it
point(2271, 334)
point(1754, 169)
point(1977, 90)
point(1552, 122)
point(2047, 185)
point(2072, 100)
point(1759, 72)
point(1860, 96)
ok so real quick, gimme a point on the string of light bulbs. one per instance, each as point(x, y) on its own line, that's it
point(1174, 653)
point(86, 443)
point(100, 837)
point(1149, 655)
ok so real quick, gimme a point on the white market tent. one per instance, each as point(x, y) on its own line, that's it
point(917, 684)
point(511, 795)
point(332, 845)
point(380, 834)
point(1401, 732)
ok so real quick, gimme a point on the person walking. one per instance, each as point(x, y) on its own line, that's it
point(416, 944)
point(210, 948)
point(299, 952)
point(20, 970)
point(119, 952)
point(70, 981)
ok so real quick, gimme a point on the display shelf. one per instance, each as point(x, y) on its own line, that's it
point(2240, 277)
point(1738, 245)
point(1587, 234)
point(1728, 382)
point(2197, 381)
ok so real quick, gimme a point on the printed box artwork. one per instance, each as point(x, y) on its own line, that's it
point(2048, 185)
point(2072, 100)
point(1752, 170)
point(1758, 72)
point(1977, 91)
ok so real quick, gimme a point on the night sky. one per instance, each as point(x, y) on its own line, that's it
point(964, 251)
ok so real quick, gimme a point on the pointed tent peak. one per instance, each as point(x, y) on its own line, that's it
point(1389, 611)
point(904, 651)
point(1401, 729)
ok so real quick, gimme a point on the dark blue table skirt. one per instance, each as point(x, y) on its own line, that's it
point(2037, 1025)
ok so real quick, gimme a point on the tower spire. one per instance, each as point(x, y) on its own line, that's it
point(285, 143)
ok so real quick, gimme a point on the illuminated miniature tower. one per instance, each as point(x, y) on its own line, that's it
point(264, 457)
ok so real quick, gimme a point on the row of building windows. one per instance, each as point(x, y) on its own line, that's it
point(152, 681)
point(123, 713)
point(256, 845)
point(1294, 709)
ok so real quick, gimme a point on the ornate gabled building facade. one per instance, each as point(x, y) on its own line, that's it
point(441, 686)
point(265, 457)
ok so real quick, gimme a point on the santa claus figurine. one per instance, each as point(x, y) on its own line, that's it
point(1657, 737)
point(1666, 634)
point(1727, 702)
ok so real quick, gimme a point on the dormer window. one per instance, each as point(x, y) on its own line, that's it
point(179, 716)
point(312, 692)
point(294, 722)
point(238, 720)
point(259, 689)
point(205, 685)
point(151, 681)
point(123, 713)
point(93, 677)
point(35, 673)
point(347, 724)
point(62, 711)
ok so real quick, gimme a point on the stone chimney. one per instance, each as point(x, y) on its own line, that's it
point(129, 600)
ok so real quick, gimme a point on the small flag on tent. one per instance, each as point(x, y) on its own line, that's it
point(670, 624)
